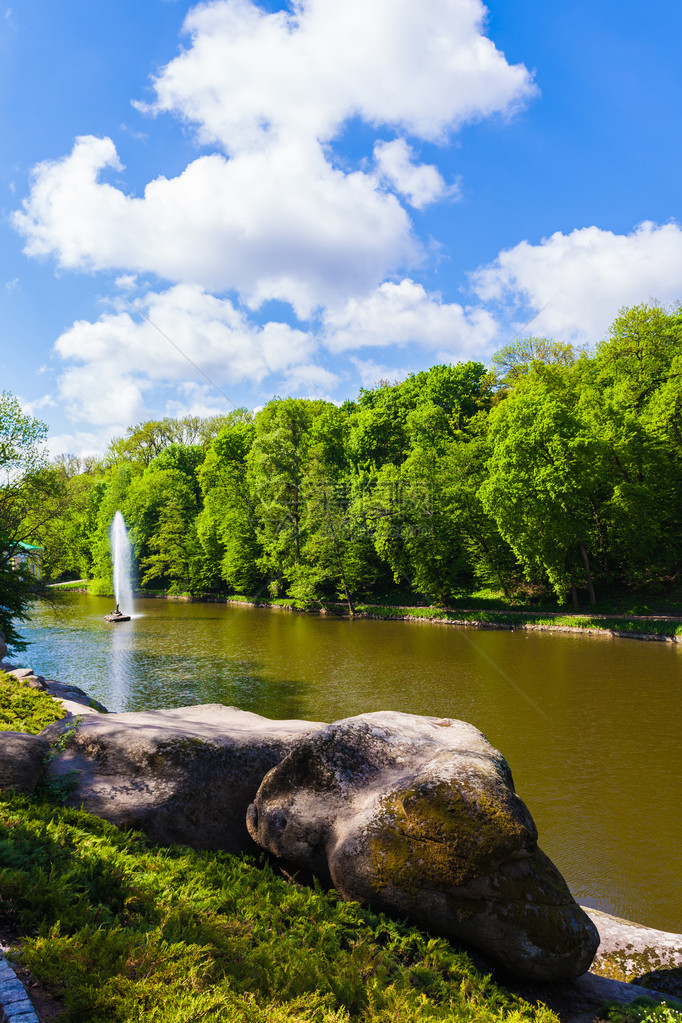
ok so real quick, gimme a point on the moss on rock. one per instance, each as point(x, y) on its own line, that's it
point(436, 835)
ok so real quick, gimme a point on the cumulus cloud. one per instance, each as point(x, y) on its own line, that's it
point(32, 408)
point(310, 380)
point(114, 362)
point(371, 372)
point(281, 224)
point(127, 282)
point(577, 282)
point(276, 218)
point(406, 313)
point(419, 183)
point(249, 76)
point(274, 212)
point(84, 443)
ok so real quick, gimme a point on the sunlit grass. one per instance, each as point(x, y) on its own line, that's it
point(23, 709)
point(124, 932)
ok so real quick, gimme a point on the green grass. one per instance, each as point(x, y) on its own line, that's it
point(124, 933)
point(23, 709)
point(491, 618)
point(491, 608)
point(77, 584)
point(642, 1010)
point(670, 627)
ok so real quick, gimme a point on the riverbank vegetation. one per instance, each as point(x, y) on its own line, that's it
point(23, 709)
point(31, 492)
point(553, 479)
point(121, 931)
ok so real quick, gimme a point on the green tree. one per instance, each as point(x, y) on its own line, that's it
point(72, 523)
point(29, 488)
point(227, 524)
point(175, 555)
point(277, 469)
point(338, 559)
point(635, 359)
point(515, 359)
point(546, 478)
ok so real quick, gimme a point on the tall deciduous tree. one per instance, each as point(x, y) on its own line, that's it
point(29, 488)
point(546, 479)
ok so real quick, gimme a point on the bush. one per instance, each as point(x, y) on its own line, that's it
point(23, 709)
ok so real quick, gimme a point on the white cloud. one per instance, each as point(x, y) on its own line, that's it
point(84, 443)
point(311, 380)
point(371, 372)
point(278, 220)
point(419, 183)
point(276, 214)
point(406, 313)
point(117, 360)
point(280, 224)
point(195, 399)
point(31, 408)
point(126, 282)
point(249, 76)
point(579, 281)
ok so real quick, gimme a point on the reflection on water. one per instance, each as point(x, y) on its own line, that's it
point(121, 664)
point(590, 726)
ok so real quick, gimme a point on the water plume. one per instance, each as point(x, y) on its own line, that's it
point(122, 558)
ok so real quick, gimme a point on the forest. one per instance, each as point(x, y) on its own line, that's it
point(556, 470)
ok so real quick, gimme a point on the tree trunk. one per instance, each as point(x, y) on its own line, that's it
point(574, 597)
point(588, 573)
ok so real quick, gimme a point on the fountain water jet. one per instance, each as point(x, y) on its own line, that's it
point(122, 557)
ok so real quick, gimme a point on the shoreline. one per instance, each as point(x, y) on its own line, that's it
point(581, 623)
point(543, 621)
point(633, 959)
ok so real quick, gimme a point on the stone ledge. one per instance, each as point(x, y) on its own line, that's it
point(15, 1005)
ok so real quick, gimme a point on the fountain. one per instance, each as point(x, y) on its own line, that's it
point(121, 553)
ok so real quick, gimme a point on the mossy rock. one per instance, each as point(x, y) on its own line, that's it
point(418, 817)
point(182, 776)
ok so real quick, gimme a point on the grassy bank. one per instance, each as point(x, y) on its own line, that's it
point(649, 627)
point(23, 709)
point(655, 628)
point(621, 617)
point(121, 931)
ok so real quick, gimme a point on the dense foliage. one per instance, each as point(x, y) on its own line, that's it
point(558, 471)
point(23, 709)
point(32, 492)
point(126, 933)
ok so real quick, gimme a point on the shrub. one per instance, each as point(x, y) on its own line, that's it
point(23, 709)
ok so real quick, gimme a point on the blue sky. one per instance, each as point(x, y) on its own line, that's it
point(305, 201)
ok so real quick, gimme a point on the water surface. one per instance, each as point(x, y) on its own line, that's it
point(590, 726)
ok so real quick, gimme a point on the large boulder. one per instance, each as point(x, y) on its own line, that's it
point(185, 775)
point(642, 956)
point(419, 818)
point(22, 758)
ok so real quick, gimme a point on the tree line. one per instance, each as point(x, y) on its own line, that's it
point(557, 468)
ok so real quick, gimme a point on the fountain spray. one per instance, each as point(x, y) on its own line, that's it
point(122, 557)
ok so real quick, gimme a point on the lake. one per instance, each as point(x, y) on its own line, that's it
point(589, 725)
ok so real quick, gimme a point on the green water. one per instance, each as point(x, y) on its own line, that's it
point(590, 726)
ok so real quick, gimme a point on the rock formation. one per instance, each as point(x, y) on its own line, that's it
point(185, 775)
point(642, 956)
point(21, 761)
point(418, 817)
